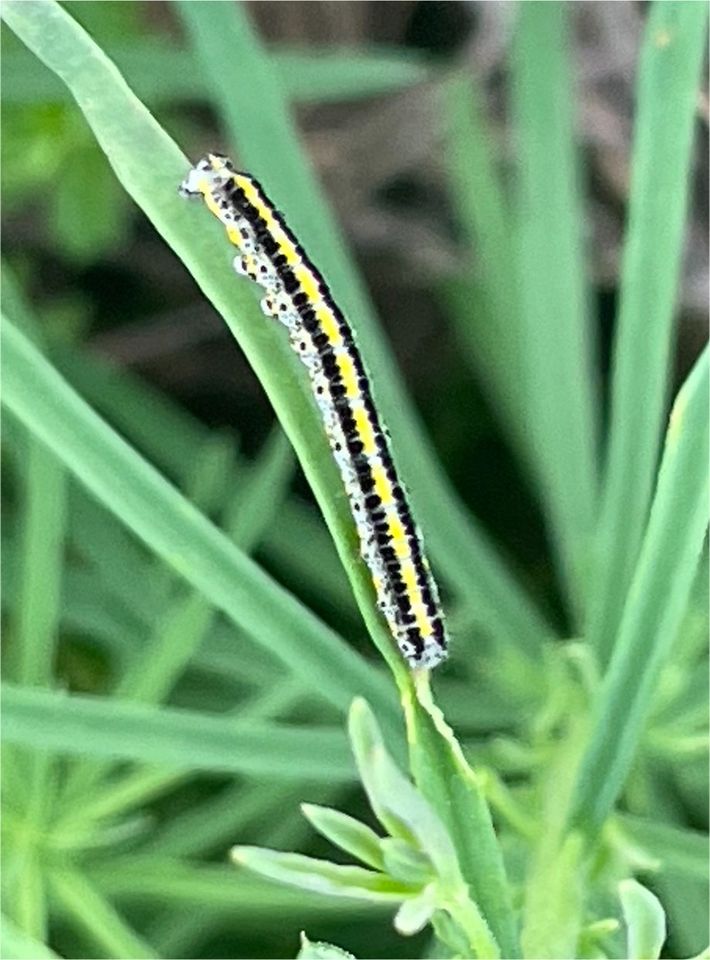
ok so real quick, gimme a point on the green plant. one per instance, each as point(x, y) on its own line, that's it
point(166, 586)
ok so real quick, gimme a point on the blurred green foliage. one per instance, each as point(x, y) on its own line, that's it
point(184, 635)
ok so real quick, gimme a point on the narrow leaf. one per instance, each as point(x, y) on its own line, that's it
point(393, 798)
point(415, 913)
point(488, 325)
point(182, 739)
point(645, 921)
point(321, 876)
point(557, 353)
point(347, 833)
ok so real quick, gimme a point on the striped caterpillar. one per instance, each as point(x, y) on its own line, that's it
point(298, 297)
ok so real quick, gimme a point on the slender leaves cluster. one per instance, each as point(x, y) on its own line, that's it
point(176, 673)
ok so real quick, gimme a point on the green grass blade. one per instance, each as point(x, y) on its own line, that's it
point(87, 909)
point(355, 838)
point(236, 66)
point(318, 569)
point(322, 876)
point(673, 48)
point(331, 75)
point(150, 675)
point(44, 520)
point(556, 342)
point(34, 577)
point(184, 739)
point(147, 504)
point(655, 607)
point(130, 792)
point(484, 310)
point(215, 463)
point(166, 880)
point(161, 73)
point(645, 921)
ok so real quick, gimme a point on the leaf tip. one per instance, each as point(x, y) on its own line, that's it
point(239, 856)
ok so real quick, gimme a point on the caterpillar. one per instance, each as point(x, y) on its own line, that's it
point(298, 297)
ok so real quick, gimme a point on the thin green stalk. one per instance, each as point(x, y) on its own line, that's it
point(116, 799)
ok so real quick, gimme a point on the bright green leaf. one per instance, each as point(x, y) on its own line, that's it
point(347, 833)
point(415, 913)
point(321, 876)
point(178, 739)
point(645, 921)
